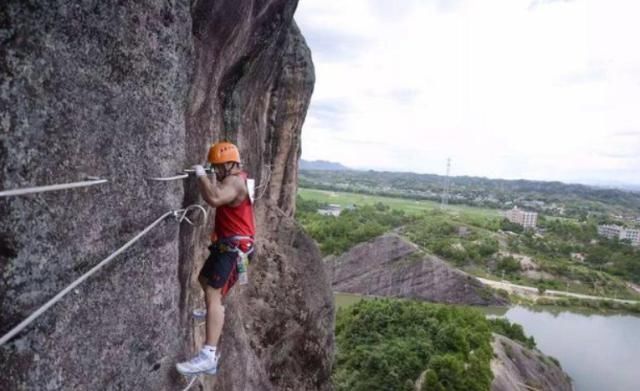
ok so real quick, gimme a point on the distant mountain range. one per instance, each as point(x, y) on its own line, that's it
point(325, 165)
point(321, 165)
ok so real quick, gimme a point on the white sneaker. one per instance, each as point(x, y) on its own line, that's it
point(203, 362)
point(199, 314)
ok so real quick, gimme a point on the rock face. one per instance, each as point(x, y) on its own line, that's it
point(516, 367)
point(132, 90)
point(393, 267)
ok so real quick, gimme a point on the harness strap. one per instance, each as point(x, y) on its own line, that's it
point(236, 248)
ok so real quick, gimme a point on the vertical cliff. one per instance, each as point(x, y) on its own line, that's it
point(252, 84)
point(125, 91)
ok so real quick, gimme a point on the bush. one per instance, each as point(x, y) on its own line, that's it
point(509, 265)
point(507, 225)
point(511, 330)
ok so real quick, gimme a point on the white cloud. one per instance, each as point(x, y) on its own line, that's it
point(507, 88)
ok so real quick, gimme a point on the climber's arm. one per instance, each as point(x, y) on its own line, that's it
point(218, 194)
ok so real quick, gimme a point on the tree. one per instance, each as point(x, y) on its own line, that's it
point(508, 264)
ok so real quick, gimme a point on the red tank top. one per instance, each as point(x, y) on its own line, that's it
point(234, 220)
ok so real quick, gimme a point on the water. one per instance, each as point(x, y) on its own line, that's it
point(599, 351)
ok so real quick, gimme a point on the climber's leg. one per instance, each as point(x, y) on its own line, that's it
point(215, 315)
point(216, 277)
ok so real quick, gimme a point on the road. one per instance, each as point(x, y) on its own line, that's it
point(532, 291)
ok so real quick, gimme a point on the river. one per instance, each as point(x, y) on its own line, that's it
point(599, 351)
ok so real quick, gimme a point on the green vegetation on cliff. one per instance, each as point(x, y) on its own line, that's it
point(388, 344)
point(396, 344)
point(511, 330)
point(337, 234)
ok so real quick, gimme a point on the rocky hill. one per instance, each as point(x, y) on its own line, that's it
point(391, 266)
point(127, 91)
point(515, 367)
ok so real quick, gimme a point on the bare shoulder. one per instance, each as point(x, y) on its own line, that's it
point(236, 183)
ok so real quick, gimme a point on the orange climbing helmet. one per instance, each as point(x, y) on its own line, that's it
point(223, 152)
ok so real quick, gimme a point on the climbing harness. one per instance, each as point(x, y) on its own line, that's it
point(228, 242)
point(92, 181)
point(180, 214)
point(242, 260)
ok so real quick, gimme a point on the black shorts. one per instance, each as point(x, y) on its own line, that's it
point(220, 268)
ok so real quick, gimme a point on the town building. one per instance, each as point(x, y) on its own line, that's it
point(331, 210)
point(611, 231)
point(521, 217)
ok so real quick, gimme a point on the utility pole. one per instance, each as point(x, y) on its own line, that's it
point(447, 184)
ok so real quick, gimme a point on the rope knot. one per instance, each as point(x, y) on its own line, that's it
point(181, 214)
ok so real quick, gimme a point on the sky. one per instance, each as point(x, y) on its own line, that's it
point(534, 89)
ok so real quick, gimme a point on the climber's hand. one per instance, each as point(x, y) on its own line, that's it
point(199, 170)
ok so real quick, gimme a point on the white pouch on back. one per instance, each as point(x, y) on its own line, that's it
point(251, 186)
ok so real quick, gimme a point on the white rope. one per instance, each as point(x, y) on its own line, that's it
point(180, 213)
point(208, 170)
point(264, 184)
point(177, 177)
point(169, 178)
point(40, 189)
point(190, 383)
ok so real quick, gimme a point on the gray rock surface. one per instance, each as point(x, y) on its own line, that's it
point(89, 88)
point(129, 90)
point(391, 266)
point(515, 367)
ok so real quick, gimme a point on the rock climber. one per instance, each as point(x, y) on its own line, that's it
point(234, 230)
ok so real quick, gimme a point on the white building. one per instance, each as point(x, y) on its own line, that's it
point(620, 233)
point(609, 231)
point(525, 219)
point(632, 235)
point(331, 210)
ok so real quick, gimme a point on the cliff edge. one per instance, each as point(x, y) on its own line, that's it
point(516, 367)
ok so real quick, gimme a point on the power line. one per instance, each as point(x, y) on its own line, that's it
point(447, 184)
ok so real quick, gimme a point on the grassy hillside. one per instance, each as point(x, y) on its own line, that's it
point(551, 198)
point(567, 256)
point(406, 205)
